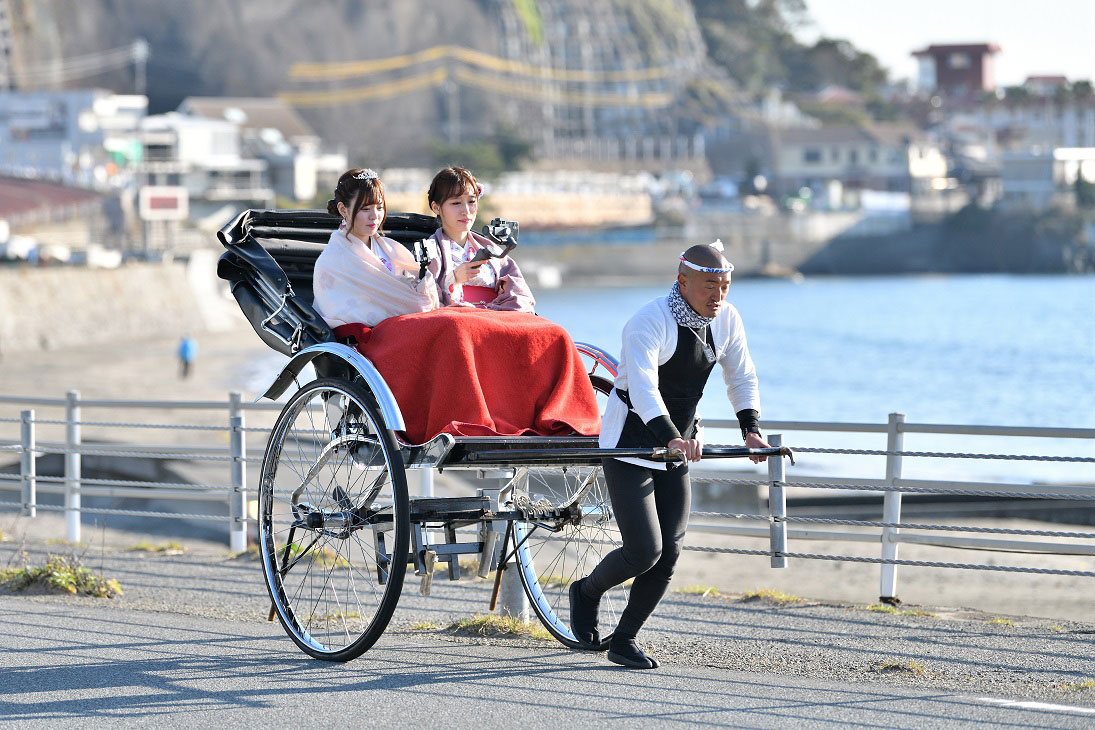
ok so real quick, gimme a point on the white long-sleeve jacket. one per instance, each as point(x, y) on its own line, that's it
point(649, 341)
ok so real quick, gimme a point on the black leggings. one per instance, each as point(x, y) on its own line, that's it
point(651, 508)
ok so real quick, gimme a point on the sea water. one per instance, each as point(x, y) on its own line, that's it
point(976, 350)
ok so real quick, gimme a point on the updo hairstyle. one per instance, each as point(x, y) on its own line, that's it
point(357, 188)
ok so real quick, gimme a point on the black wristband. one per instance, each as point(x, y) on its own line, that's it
point(749, 420)
point(663, 429)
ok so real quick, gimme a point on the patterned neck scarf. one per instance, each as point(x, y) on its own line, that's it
point(683, 312)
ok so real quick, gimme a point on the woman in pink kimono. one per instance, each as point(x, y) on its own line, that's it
point(496, 283)
point(363, 277)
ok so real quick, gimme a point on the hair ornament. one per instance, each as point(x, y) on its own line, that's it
point(717, 245)
point(366, 174)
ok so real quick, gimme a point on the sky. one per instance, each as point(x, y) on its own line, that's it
point(1037, 37)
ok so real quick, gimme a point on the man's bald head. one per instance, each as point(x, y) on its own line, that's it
point(704, 255)
point(703, 278)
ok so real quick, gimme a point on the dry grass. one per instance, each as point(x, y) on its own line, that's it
point(554, 581)
point(66, 543)
point(701, 591)
point(62, 575)
point(908, 666)
point(166, 548)
point(1001, 621)
point(469, 568)
point(325, 556)
point(499, 627)
point(251, 553)
point(766, 595)
point(894, 610)
point(1083, 684)
point(424, 626)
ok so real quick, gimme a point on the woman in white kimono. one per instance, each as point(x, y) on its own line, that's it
point(496, 283)
point(362, 277)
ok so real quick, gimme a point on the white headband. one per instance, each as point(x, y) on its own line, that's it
point(717, 245)
point(366, 174)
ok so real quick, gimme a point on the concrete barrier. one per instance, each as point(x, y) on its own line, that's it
point(43, 308)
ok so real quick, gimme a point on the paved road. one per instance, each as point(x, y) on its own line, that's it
point(188, 643)
point(74, 665)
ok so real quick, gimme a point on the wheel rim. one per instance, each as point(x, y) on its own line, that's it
point(554, 550)
point(333, 509)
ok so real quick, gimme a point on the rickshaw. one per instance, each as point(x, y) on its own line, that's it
point(336, 527)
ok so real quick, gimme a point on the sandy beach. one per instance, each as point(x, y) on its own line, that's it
point(148, 369)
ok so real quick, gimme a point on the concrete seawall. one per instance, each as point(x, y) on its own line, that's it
point(44, 308)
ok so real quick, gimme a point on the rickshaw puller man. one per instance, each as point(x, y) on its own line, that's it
point(669, 349)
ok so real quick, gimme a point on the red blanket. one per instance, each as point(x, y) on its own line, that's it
point(476, 372)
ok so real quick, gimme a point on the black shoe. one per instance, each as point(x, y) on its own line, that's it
point(583, 617)
point(627, 653)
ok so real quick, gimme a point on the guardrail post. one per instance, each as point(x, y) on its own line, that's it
point(237, 498)
point(425, 482)
point(512, 600)
point(72, 466)
point(28, 468)
point(777, 505)
point(891, 508)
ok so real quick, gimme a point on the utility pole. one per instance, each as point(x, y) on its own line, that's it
point(140, 62)
point(452, 110)
point(7, 48)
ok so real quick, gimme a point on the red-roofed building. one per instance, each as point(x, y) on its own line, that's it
point(29, 201)
point(962, 70)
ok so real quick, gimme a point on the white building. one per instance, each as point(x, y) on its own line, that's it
point(204, 158)
point(86, 137)
point(1039, 179)
point(273, 131)
point(1039, 123)
point(884, 157)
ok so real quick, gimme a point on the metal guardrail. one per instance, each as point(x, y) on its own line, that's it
point(889, 531)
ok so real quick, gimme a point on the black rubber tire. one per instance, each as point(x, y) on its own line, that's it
point(340, 561)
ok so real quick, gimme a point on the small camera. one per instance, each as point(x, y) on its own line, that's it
point(422, 256)
point(503, 231)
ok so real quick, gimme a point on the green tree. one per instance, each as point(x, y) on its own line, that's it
point(504, 151)
point(1085, 193)
point(754, 41)
point(1016, 94)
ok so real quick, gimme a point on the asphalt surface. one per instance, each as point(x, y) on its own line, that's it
point(188, 644)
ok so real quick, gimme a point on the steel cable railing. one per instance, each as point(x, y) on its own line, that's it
point(889, 531)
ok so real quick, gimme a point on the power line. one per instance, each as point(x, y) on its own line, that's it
point(364, 93)
point(522, 89)
point(349, 69)
point(84, 66)
point(513, 88)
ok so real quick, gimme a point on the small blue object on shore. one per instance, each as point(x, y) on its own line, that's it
point(188, 351)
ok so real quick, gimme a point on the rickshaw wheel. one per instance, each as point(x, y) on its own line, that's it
point(334, 520)
point(555, 551)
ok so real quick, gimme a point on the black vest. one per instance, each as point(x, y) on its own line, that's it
point(680, 382)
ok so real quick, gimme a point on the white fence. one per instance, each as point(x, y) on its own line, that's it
point(218, 476)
